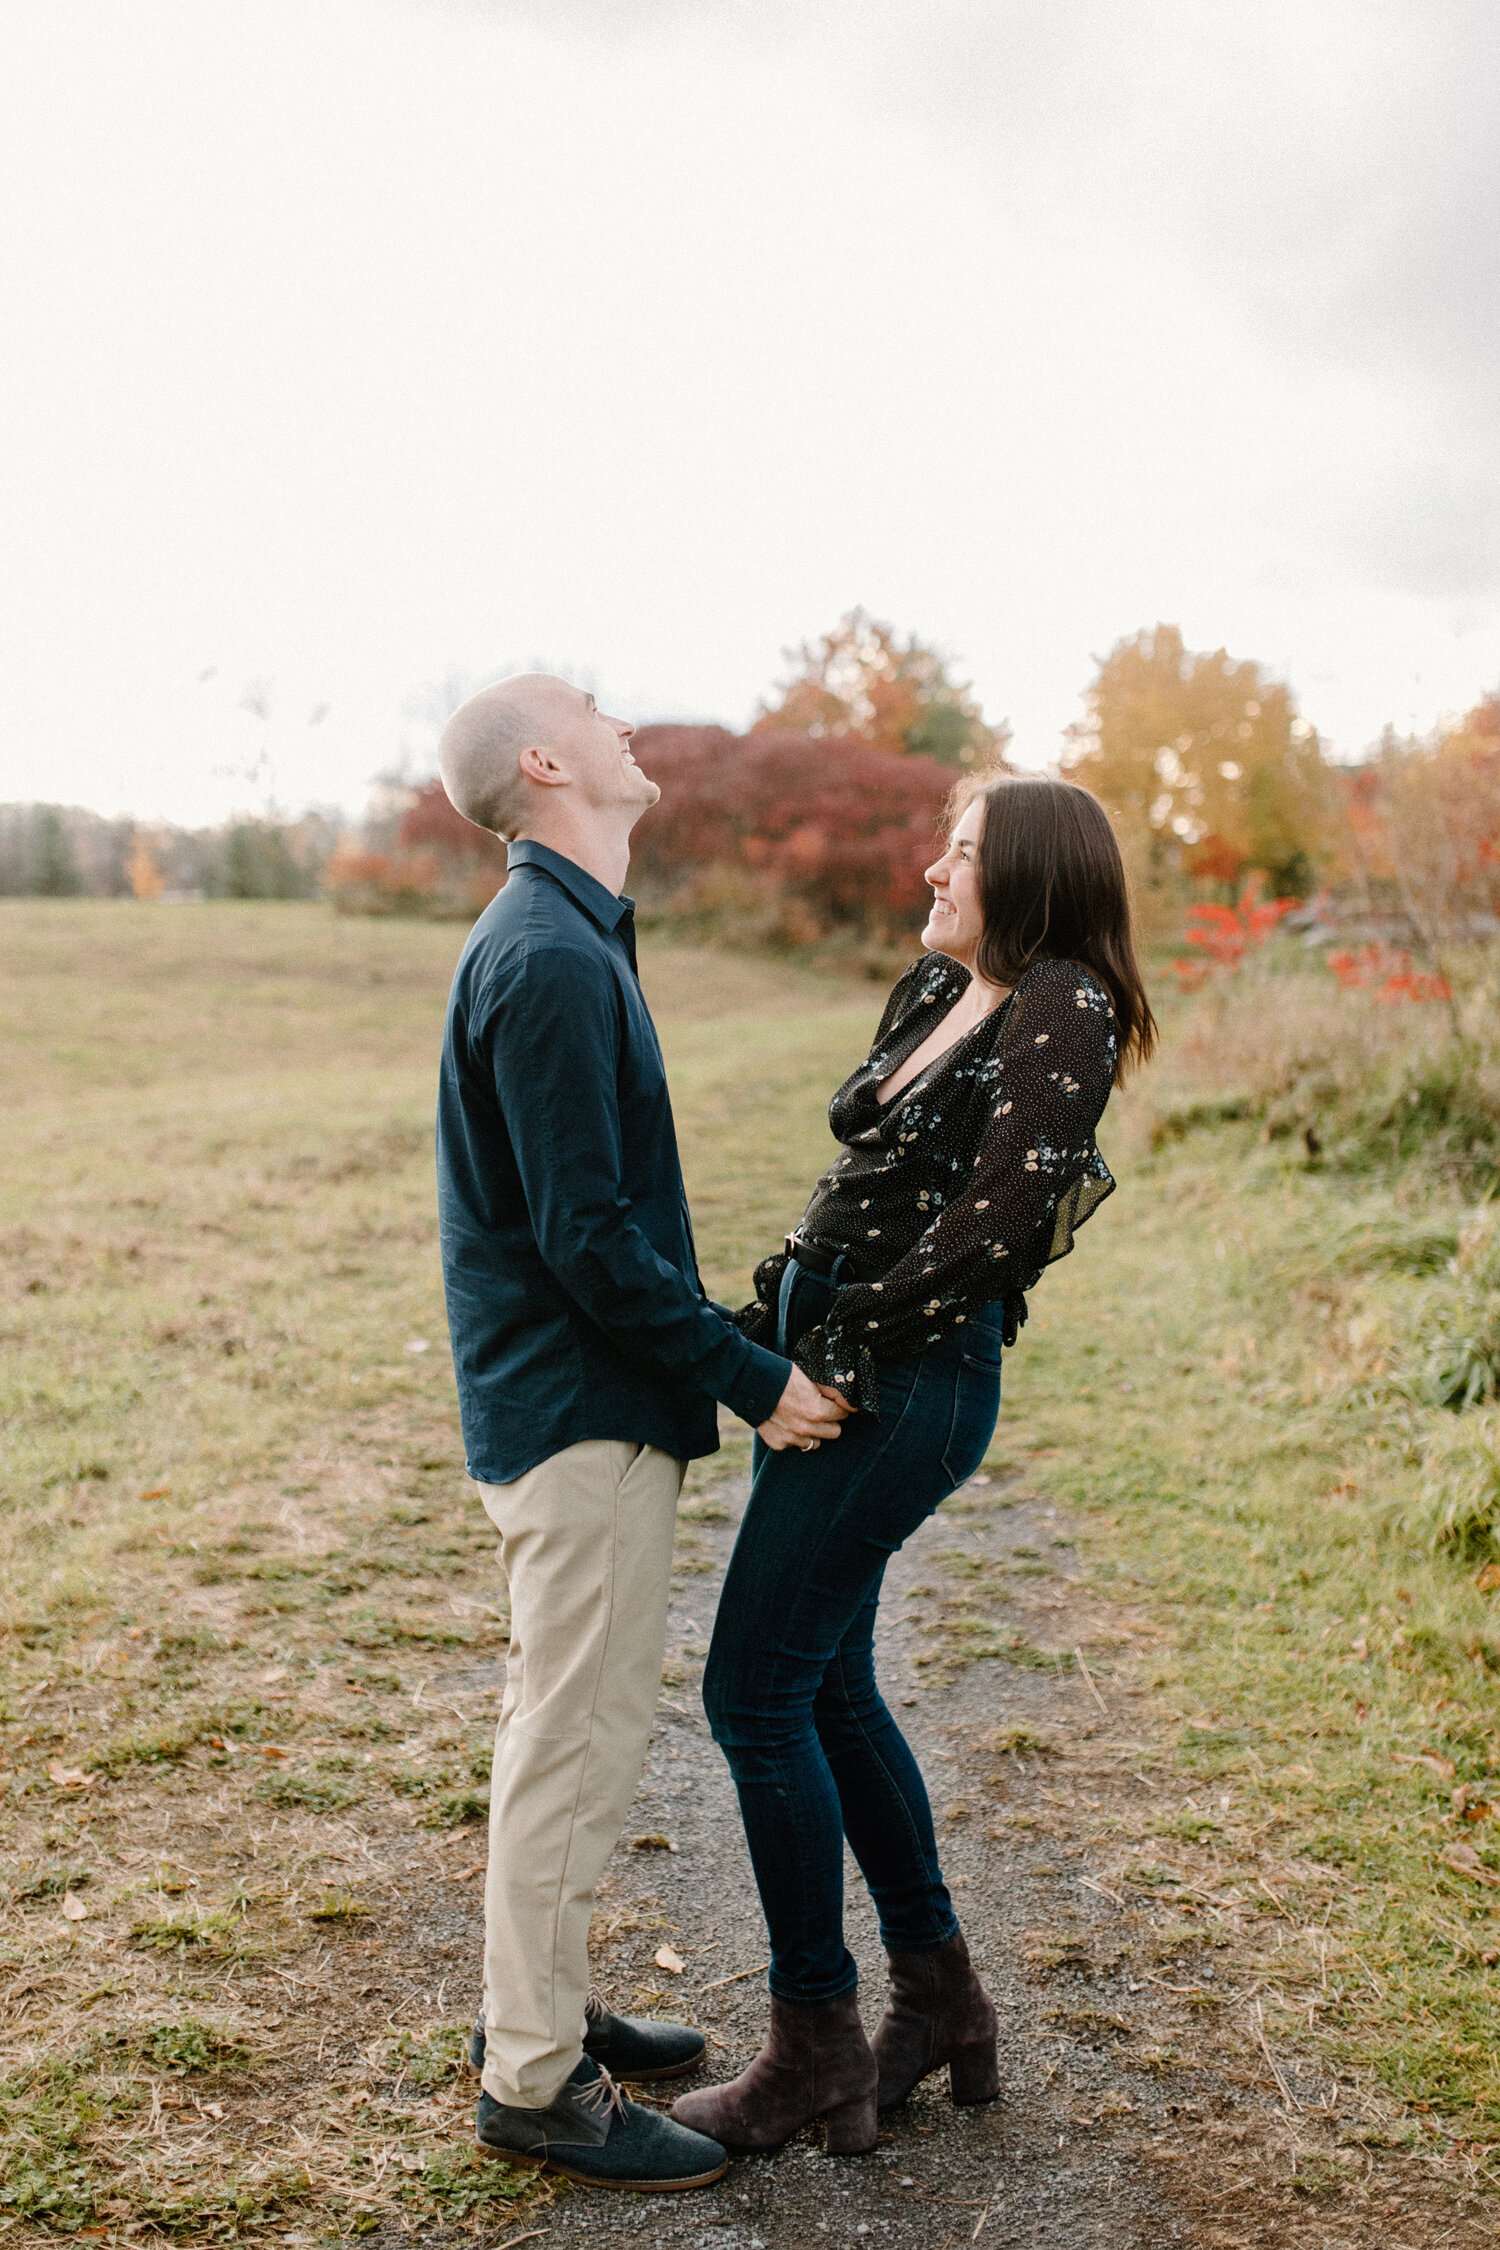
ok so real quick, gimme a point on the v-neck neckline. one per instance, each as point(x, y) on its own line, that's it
point(939, 1060)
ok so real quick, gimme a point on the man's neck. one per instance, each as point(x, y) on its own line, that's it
point(605, 856)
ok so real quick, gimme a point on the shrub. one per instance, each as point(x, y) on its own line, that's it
point(382, 883)
point(440, 867)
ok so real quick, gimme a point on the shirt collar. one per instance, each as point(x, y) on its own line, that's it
point(600, 905)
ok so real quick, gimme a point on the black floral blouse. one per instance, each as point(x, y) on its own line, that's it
point(957, 1193)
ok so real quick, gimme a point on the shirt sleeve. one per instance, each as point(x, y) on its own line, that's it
point(554, 1039)
point(1047, 1083)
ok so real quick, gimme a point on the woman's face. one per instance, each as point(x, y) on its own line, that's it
point(956, 922)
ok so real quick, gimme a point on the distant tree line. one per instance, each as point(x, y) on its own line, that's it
point(64, 851)
point(815, 825)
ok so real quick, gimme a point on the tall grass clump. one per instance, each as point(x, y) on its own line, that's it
point(1455, 1510)
point(1365, 1082)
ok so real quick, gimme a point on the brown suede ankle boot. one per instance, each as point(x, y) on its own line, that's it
point(816, 2062)
point(939, 2013)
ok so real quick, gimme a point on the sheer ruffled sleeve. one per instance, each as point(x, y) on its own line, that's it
point(1037, 1177)
point(757, 1320)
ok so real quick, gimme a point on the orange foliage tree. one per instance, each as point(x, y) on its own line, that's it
point(860, 683)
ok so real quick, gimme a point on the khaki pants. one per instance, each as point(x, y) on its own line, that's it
point(586, 1543)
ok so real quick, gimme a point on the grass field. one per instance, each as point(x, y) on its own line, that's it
point(238, 1545)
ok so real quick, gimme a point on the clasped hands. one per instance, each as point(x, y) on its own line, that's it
point(806, 1413)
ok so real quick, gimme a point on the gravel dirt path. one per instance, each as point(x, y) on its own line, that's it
point(1142, 2103)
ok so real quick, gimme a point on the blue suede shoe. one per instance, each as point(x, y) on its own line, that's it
point(628, 2046)
point(591, 2133)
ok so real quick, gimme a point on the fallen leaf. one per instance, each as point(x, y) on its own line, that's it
point(1489, 1578)
point(1360, 1647)
point(467, 1874)
point(277, 1672)
point(1442, 1767)
point(273, 1750)
point(74, 1908)
point(419, 1344)
point(666, 1959)
point(212, 2109)
point(1464, 1860)
point(70, 1777)
point(653, 1844)
point(158, 1492)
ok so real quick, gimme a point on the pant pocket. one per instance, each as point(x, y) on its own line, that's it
point(976, 1408)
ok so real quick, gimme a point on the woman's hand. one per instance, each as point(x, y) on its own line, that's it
point(806, 1414)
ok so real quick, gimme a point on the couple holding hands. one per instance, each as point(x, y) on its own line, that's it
point(590, 1365)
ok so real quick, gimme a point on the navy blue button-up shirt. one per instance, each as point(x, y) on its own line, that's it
point(574, 1302)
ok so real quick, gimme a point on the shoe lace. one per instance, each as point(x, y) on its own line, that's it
point(594, 2010)
point(603, 2096)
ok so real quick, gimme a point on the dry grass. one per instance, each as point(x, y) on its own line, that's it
point(253, 1617)
point(253, 1622)
point(1362, 1085)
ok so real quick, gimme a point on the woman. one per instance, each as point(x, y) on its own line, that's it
point(967, 1162)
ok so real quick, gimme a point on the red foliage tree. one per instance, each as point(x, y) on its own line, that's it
point(844, 829)
point(430, 823)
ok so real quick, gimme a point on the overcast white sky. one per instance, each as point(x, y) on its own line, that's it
point(351, 341)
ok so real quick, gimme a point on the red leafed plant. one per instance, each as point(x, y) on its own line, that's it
point(1225, 934)
point(824, 825)
point(1386, 972)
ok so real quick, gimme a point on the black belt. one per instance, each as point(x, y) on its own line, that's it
point(818, 1257)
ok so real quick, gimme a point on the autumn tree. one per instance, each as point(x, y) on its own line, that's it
point(1423, 830)
point(1204, 764)
point(861, 683)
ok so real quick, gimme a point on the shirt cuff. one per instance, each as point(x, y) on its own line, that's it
point(749, 1379)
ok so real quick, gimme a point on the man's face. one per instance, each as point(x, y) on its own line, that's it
point(595, 749)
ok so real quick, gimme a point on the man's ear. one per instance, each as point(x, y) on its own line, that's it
point(539, 765)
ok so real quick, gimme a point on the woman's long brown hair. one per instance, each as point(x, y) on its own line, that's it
point(1052, 887)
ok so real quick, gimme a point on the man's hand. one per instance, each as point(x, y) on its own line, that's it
point(804, 1417)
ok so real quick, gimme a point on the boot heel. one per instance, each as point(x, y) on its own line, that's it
point(851, 2128)
point(974, 2073)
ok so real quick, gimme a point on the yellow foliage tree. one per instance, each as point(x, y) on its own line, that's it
point(1204, 764)
point(860, 680)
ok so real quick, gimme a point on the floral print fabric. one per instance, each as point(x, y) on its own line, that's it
point(957, 1193)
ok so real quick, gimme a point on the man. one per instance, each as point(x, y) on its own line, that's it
point(588, 1362)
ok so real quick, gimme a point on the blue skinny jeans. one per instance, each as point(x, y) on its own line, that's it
point(790, 1686)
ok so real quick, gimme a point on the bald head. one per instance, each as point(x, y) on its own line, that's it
point(479, 754)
